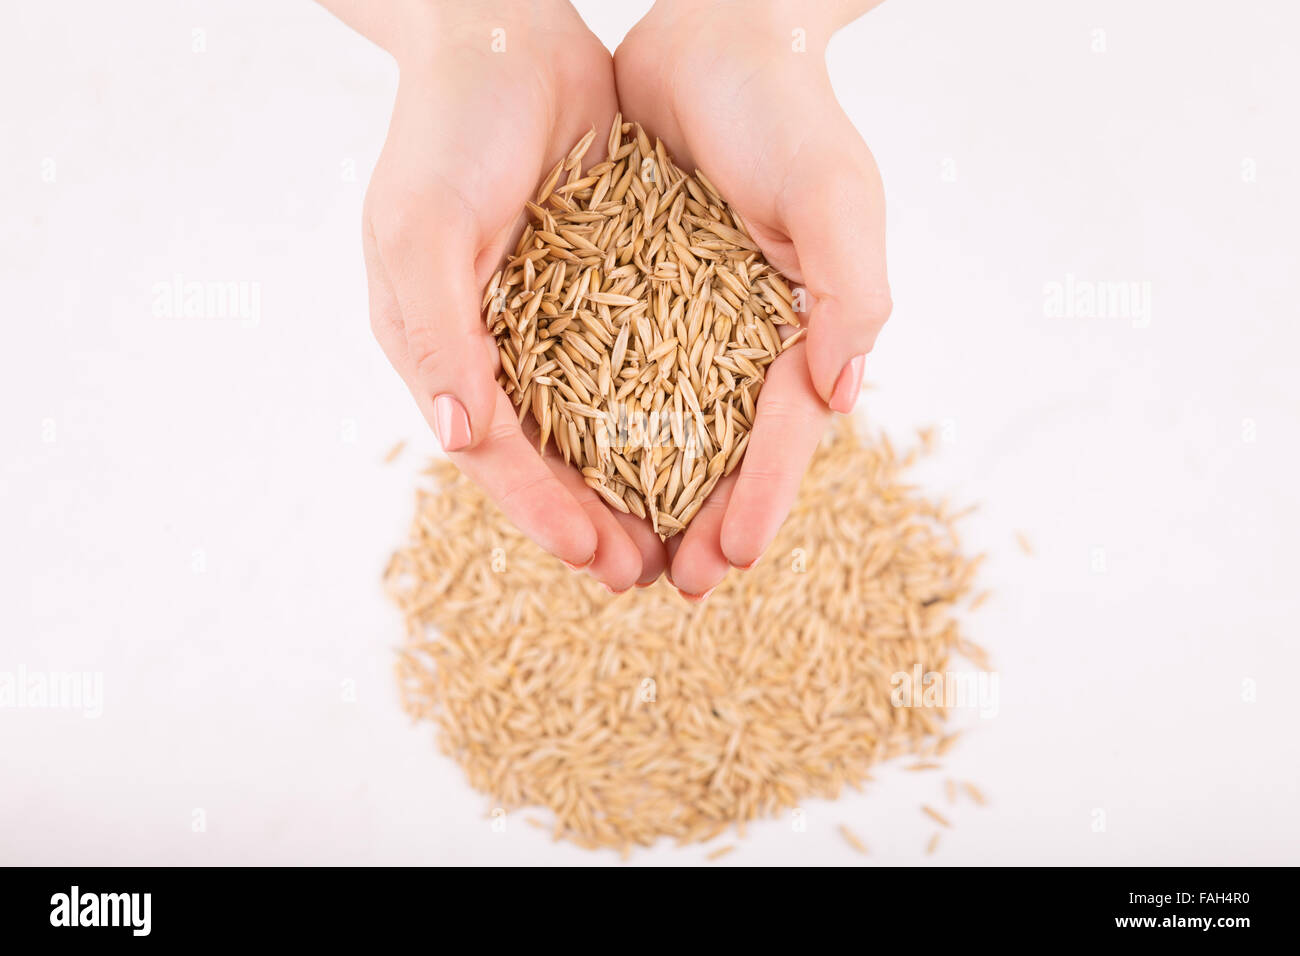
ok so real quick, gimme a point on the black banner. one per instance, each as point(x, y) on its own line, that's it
point(135, 905)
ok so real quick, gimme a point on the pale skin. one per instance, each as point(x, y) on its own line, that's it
point(727, 86)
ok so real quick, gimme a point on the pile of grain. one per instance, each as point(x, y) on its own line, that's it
point(635, 322)
point(638, 716)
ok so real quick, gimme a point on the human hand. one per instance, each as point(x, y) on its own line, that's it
point(724, 85)
point(491, 95)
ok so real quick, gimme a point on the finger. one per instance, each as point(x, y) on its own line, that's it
point(643, 97)
point(787, 427)
point(618, 561)
point(835, 212)
point(671, 547)
point(654, 556)
point(385, 316)
point(508, 469)
point(699, 563)
point(504, 464)
point(424, 253)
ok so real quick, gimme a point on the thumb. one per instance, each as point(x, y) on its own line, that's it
point(836, 220)
point(436, 338)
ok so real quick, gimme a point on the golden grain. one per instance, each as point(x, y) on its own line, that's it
point(935, 815)
point(852, 839)
point(637, 316)
point(637, 717)
point(945, 744)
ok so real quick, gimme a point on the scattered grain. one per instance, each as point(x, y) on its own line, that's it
point(945, 744)
point(640, 717)
point(852, 839)
point(935, 815)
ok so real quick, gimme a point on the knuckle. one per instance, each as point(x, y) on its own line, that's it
point(714, 503)
point(502, 430)
point(390, 233)
point(777, 415)
point(533, 486)
point(392, 222)
point(388, 333)
point(378, 211)
point(763, 477)
point(877, 306)
point(427, 351)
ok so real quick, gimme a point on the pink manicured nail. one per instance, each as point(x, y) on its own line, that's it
point(578, 567)
point(745, 567)
point(848, 385)
point(611, 590)
point(450, 422)
point(694, 598)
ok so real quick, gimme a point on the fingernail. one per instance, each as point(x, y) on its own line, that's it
point(848, 385)
point(646, 585)
point(694, 598)
point(745, 567)
point(450, 422)
point(578, 567)
point(611, 590)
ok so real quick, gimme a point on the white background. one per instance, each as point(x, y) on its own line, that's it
point(138, 449)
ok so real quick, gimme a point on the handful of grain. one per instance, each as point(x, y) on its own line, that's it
point(633, 718)
point(635, 322)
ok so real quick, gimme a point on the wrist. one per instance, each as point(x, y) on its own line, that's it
point(818, 19)
point(416, 32)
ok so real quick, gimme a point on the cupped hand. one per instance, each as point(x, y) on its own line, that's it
point(490, 97)
point(739, 88)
